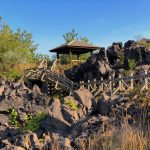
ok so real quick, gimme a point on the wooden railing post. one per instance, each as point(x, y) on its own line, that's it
point(81, 84)
point(146, 79)
point(110, 86)
point(72, 87)
point(102, 84)
point(120, 83)
point(110, 83)
point(131, 81)
point(94, 84)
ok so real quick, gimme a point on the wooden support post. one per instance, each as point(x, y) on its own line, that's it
point(102, 84)
point(110, 86)
point(110, 83)
point(72, 86)
point(42, 77)
point(146, 80)
point(81, 84)
point(120, 83)
point(70, 56)
point(94, 84)
point(131, 81)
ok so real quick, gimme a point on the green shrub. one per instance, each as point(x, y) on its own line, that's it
point(13, 117)
point(27, 118)
point(131, 64)
point(11, 75)
point(126, 73)
point(136, 90)
point(34, 122)
point(121, 59)
point(72, 104)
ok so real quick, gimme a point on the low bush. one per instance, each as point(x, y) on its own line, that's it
point(131, 64)
point(13, 117)
point(72, 104)
point(34, 122)
point(11, 75)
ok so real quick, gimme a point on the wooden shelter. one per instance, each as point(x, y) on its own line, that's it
point(74, 48)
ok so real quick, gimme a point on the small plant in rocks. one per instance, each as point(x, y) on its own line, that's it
point(13, 117)
point(34, 122)
point(72, 104)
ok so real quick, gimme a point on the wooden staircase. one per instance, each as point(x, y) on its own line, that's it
point(46, 75)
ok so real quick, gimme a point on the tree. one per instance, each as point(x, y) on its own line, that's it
point(15, 47)
point(84, 39)
point(70, 36)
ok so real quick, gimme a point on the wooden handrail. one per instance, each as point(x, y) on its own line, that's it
point(113, 85)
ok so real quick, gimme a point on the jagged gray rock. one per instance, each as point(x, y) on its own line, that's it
point(84, 97)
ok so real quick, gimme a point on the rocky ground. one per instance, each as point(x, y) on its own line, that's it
point(30, 119)
point(62, 123)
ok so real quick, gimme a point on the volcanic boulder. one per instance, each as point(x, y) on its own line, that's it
point(114, 52)
point(84, 97)
point(95, 67)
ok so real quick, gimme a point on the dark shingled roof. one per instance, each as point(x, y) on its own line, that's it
point(76, 47)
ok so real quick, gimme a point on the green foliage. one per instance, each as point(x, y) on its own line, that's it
point(131, 64)
point(144, 42)
point(121, 59)
point(15, 47)
point(70, 36)
point(84, 39)
point(41, 140)
point(72, 104)
point(11, 75)
point(13, 117)
point(27, 118)
point(33, 123)
point(126, 73)
point(39, 57)
point(136, 90)
point(84, 56)
point(64, 59)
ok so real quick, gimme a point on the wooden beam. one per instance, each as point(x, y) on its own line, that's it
point(57, 55)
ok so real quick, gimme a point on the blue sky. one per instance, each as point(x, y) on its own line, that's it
point(102, 21)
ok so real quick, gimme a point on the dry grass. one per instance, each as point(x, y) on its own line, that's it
point(132, 138)
point(123, 138)
point(22, 67)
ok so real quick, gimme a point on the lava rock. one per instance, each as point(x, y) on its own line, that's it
point(84, 97)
